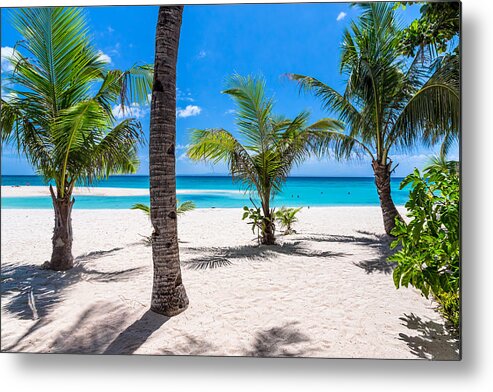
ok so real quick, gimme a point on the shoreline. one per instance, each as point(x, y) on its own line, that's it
point(223, 197)
point(401, 209)
point(36, 191)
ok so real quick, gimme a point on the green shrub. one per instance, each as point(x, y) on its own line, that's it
point(449, 305)
point(286, 218)
point(258, 221)
point(428, 258)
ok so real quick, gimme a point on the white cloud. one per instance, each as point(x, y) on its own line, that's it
point(115, 50)
point(181, 96)
point(180, 147)
point(134, 110)
point(202, 54)
point(183, 157)
point(341, 16)
point(6, 54)
point(104, 57)
point(190, 110)
point(230, 111)
point(111, 29)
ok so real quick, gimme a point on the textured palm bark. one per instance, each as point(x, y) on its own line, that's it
point(168, 292)
point(268, 235)
point(382, 181)
point(61, 256)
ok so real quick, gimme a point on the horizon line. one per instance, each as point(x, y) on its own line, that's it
point(196, 175)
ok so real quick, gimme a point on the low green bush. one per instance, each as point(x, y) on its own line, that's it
point(286, 218)
point(428, 257)
point(257, 220)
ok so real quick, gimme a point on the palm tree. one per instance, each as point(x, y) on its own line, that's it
point(59, 111)
point(388, 102)
point(272, 145)
point(168, 292)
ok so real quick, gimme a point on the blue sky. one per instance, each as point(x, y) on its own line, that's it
point(216, 41)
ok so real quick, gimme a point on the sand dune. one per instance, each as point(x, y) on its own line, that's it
point(324, 292)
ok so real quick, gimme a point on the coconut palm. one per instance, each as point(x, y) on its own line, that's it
point(168, 292)
point(269, 146)
point(59, 111)
point(389, 102)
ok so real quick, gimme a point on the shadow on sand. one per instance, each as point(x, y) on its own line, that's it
point(34, 292)
point(279, 342)
point(192, 346)
point(377, 243)
point(434, 340)
point(220, 257)
point(136, 334)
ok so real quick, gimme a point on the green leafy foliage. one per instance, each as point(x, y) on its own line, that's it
point(186, 206)
point(428, 258)
point(287, 217)
point(257, 220)
point(435, 29)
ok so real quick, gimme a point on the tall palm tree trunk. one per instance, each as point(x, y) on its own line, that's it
point(382, 181)
point(168, 293)
point(61, 256)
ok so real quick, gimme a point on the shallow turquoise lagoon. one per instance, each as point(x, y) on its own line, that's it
point(221, 192)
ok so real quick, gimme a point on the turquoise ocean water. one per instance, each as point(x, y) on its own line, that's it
point(221, 192)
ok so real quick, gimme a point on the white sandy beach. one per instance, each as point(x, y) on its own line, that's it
point(324, 292)
point(32, 191)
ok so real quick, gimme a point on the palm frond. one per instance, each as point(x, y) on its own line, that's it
point(115, 152)
point(432, 113)
point(218, 145)
point(181, 208)
point(62, 95)
point(184, 207)
point(253, 108)
point(30, 140)
point(142, 207)
point(136, 85)
point(63, 62)
point(332, 100)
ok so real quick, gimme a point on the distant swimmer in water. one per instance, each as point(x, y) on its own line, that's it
point(298, 196)
point(349, 193)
